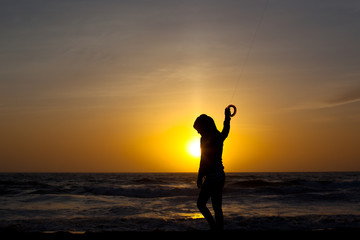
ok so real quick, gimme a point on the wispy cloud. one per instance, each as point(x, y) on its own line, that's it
point(338, 100)
point(347, 97)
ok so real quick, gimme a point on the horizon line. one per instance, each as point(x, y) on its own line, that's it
point(154, 172)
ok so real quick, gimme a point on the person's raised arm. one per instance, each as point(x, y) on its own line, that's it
point(226, 129)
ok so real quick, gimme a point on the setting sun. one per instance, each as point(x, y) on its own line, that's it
point(193, 148)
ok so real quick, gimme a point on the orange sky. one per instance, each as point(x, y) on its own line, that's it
point(108, 86)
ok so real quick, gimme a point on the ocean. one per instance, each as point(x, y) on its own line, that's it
point(96, 202)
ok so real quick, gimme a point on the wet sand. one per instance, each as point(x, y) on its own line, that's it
point(12, 234)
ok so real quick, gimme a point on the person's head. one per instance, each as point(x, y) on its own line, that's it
point(205, 124)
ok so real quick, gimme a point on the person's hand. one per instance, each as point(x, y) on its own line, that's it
point(227, 112)
point(199, 182)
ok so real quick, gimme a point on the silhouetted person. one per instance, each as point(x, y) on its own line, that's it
point(211, 176)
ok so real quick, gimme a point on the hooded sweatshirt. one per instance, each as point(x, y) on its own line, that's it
point(211, 144)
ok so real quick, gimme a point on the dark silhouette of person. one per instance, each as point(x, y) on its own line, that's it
point(211, 176)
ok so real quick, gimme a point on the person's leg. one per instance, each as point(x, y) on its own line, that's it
point(216, 200)
point(204, 196)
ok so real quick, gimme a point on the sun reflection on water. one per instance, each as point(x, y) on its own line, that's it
point(192, 215)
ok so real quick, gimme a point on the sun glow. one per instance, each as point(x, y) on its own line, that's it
point(193, 148)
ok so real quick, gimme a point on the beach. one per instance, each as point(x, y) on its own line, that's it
point(337, 233)
point(84, 204)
